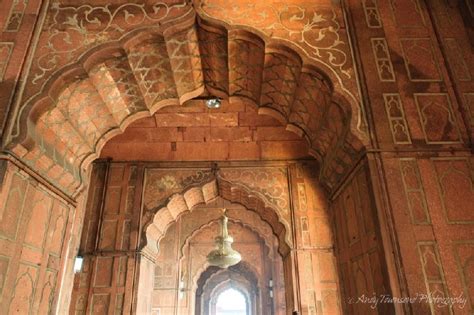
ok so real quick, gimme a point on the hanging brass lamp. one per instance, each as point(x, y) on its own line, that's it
point(224, 256)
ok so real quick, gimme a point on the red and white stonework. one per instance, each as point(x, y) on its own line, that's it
point(343, 151)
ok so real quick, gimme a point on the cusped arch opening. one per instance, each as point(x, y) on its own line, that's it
point(175, 206)
point(64, 128)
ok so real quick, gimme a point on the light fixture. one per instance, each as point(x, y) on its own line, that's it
point(224, 256)
point(213, 103)
point(270, 288)
point(181, 289)
point(78, 264)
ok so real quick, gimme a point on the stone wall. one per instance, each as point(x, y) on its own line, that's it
point(359, 248)
point(109, 241)
point(402, 68)
point(182, 258)
point(36, 248)
point(113, 240)
point(417, 66)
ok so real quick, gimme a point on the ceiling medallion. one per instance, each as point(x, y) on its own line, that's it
point(224, 256)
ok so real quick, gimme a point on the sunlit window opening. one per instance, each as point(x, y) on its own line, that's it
point(231, 302)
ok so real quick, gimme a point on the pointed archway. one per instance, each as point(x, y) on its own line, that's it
point(62, 129)
point(184, 202)
point(179, 203)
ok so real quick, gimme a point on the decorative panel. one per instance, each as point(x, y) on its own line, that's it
point(15, 17)
point(47, 293)
point(112, 203)
point(23, 291)
point(420, 61)
point(407, 13)
point(6, 49)
point(456, 60)
point(437, 118)
point(268, 182)
point(160, 183)
point(59, 220)
point(359, 247)
point(305, 234)
point(100, 303)
point(396, 117)
point(455, 177)
point(414, 191)
point(13, 207)
point(434, 276)
point(372, 15)
point(38, 223)
point(382, 60)
point(103, 272)
point(302, 199)
point(464, 254)
point(108, 234)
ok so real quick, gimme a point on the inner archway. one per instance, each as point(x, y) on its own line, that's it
point(192, 237)
point(231, 302)
point(102, 112)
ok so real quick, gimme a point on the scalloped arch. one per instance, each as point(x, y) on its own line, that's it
point(157, 224)
point(66, 125)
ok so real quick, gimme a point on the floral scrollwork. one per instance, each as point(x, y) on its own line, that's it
point(314, 29)
point(72, 29)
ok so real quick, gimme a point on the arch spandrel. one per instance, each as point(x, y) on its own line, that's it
point(116, 80)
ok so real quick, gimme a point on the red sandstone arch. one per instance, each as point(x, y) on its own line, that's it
point(155, 227)
point(65, 126)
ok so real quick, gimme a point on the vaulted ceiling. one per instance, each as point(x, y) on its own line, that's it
point(115, 84)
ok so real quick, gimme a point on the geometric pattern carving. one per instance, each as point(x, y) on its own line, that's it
point(277, 93)
point(455, 177)
point(437, 118)
point(414, 191)
point(382, 59)
point(433, 275)
point(396, 117)
point(372, 15)
point(420, 61)
point(149, 72)
point(246, 62)
point(6, 49)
